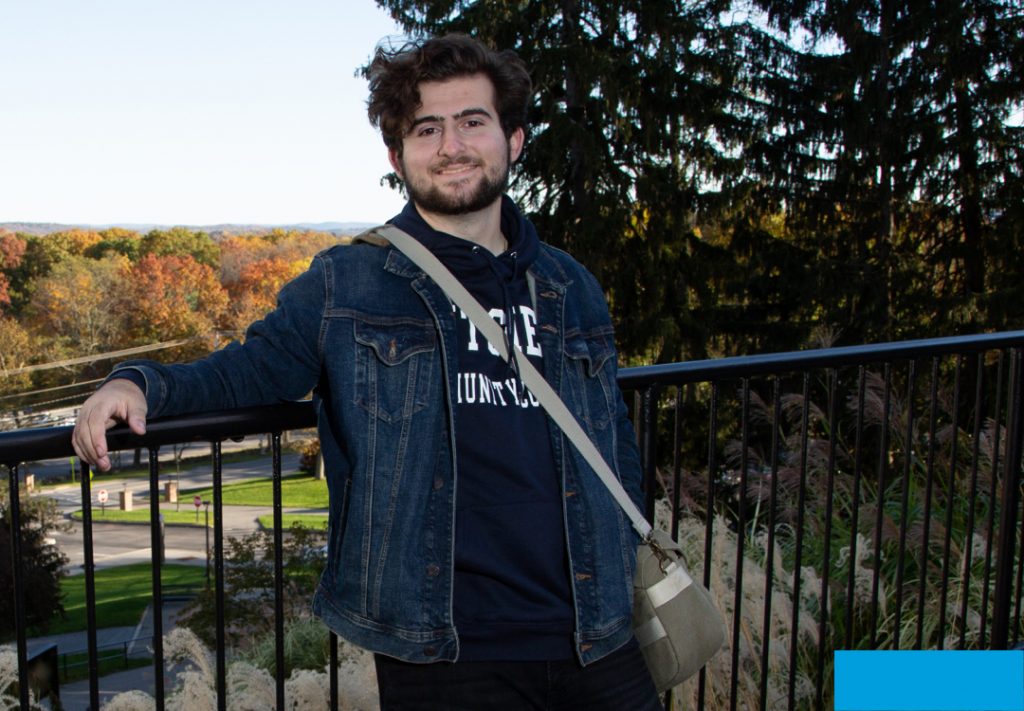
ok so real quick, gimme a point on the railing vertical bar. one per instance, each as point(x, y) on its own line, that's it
point(677, 477)
point(709, 523)
point(278, 573)
point(648, 443)
point(216, 454)
point(1008, 514)
point(926, 518)
point(993, 492)
point(90, 589)
point(1015, 620)
point(332, 643)
point(908, 454)
point(826, 564)
point(18, 571)
point(883, 465)
point(769, 566)
point(855, 504)
point(979, 395)
point(648, 447)
point(950, 498)
point(157, 555)
point(798, 556)
point(741, 535)
point(156, 543)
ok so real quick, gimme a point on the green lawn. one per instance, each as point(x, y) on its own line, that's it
point(314, 521)
point(297, 491)
point(122, 594)
point(185, 517)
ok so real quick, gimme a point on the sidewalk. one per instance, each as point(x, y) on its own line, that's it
point(134, 641)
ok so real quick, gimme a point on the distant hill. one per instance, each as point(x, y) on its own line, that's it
point(45, 228)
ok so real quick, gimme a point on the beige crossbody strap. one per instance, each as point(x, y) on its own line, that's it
point(540, 388)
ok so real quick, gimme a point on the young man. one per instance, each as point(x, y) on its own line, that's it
point(470, 546)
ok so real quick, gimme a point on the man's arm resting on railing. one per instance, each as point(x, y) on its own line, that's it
point(118, 400)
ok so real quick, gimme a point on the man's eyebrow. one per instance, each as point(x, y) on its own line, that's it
point(440, 119)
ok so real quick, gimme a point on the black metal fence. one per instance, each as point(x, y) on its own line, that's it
point(846, 498)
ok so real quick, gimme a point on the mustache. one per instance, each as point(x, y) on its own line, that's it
point(449, 162)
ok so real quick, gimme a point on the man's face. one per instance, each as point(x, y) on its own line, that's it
point(455, 157)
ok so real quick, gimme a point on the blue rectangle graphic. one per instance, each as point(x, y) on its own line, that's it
point(946, 680)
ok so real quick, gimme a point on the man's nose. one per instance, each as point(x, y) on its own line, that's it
point(451, 142)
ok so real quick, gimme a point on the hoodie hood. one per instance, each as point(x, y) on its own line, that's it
point(488, 277)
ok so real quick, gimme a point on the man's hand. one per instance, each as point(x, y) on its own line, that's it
point(118, 400)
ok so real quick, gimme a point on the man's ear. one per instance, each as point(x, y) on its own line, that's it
point(515, 144)
point(396, 161)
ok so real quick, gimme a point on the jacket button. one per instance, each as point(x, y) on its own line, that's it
point(583, 576)
point(438, 483)
point(549, 294)
point(433, 570)
point(430, 651)
point(549, 328)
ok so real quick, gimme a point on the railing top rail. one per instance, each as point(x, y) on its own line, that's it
point(798, 361)
point(55, 442)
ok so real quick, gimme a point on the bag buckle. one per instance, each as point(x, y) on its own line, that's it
point(664, 559)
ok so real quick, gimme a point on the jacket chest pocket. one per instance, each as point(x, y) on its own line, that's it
point(588, 364)
point(394, 364)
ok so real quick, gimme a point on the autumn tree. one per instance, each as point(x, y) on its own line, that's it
point(12, 249)
point(16, 351)
point(76, 305)
point(180, 241)
point(116, 240)
point(254, 293)
point(172, 297)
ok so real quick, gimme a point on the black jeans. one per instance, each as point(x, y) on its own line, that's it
point(618, 682)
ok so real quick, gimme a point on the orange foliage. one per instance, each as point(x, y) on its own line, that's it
point(255, 292)
point(75, 241)
point(171, 297)
point(240, 250)
point(12, 249)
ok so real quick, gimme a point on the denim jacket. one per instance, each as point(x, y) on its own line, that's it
point(374, 338)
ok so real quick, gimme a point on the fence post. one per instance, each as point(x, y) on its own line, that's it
point(1008, 511)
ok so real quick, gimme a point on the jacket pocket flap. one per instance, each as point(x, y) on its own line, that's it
point(593, 351)
point(395, 342)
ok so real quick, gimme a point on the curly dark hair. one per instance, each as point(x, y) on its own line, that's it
point(395, 76)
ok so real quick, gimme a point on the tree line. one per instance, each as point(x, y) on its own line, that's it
point(81, 292)
point(761, 175)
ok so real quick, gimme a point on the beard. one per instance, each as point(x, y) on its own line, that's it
point(431, 198)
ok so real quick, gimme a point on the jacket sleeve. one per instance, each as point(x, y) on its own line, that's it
point(626, 450)
point(279, 360)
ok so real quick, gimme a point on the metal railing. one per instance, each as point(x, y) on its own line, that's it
point(863, 497)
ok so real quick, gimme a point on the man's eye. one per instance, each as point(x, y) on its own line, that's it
point(426, 131)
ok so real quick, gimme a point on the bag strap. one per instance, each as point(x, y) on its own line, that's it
point(540, 388)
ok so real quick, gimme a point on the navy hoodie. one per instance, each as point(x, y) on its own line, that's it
point(512, 598)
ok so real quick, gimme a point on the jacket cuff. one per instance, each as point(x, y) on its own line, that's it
point(147, 379)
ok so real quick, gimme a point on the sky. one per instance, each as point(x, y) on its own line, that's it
point(189, 112)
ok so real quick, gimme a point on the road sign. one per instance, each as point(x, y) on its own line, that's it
point(197, 501)
point(102, 496)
